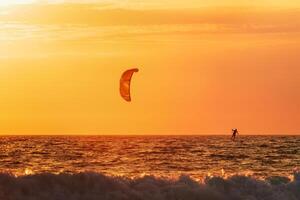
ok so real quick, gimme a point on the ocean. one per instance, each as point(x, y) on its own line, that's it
point(149, 167)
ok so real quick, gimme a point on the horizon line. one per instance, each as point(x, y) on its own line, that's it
point(118, 135)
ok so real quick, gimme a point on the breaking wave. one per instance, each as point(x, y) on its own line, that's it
point(95, 186)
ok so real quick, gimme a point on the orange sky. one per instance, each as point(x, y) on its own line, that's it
point(204, 67)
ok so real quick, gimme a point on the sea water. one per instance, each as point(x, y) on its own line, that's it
point(149, 167)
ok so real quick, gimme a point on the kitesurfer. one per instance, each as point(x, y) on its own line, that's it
point(234, 134)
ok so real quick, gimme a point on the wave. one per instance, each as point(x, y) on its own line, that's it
point(96, 186)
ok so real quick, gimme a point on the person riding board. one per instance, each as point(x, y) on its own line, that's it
point(234, 134)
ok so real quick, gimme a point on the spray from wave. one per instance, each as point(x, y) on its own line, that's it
point(96, 186)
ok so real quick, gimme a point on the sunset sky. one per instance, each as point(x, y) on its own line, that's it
point(205, 66)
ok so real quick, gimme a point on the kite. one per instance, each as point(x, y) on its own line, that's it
point(125, 82)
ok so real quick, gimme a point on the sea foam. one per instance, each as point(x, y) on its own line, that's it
point(96, 186)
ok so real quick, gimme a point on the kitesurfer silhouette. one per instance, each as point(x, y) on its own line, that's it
point(234, 133)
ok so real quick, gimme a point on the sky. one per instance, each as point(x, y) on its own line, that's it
point(205, 67)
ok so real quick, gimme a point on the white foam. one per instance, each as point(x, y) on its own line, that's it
point(95, 186)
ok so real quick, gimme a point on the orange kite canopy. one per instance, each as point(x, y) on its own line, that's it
point(125, 84)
